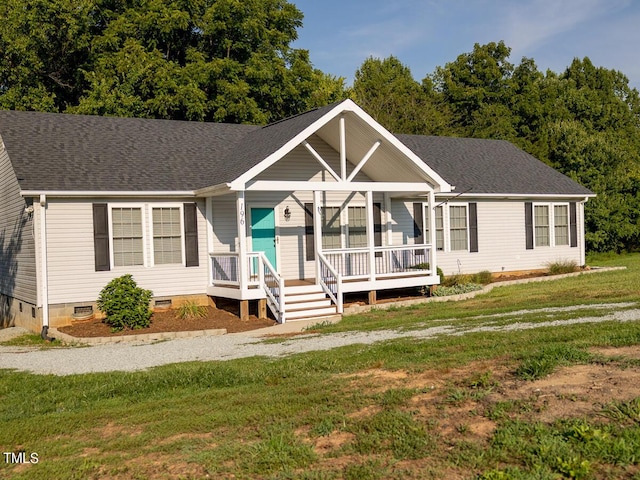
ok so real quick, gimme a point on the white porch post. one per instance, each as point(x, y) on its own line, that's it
point(388, 218)
point(433, 266)
point(371, 236)
point(317, 230)
point(242, 240)
point(343, 148)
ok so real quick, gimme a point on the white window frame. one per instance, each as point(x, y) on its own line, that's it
point(347, 231)
point(465, 205)
point(552, 223)
point(143, 220)
point(446, 227)
point(152, 256)
point(553, 208)
point(344, 222)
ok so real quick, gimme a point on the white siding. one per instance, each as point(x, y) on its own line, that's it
point(501, 242)
point(17, 246)
point(72, 275)
point(402, 224)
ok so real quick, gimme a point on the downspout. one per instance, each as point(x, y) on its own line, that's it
point(583, 227)
point(44, 271)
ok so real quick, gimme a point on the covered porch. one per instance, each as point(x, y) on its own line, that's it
point(320, 207)
point(249, 274)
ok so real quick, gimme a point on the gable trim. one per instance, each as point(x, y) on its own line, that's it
point(343, 107)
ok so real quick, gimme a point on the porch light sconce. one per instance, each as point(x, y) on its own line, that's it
point(287, 214)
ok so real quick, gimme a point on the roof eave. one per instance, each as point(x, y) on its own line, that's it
point(518, 196)
point(108, 193)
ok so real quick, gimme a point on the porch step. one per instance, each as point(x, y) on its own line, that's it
point(305, 297)
point(307, 301)
point(291, 305)
point(316, 312)
point(300, 289)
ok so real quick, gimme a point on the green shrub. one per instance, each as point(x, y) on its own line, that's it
point(562, 266)
point(125, 305)
point(191, 310)
point(456, 279)
point(484, 277)
point(456, 289)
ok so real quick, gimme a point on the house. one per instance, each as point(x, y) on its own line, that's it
point(291, 216)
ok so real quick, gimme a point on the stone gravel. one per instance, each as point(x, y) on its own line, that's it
point(134, 357)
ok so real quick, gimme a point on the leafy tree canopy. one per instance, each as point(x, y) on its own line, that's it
point(584, 122)
point(216, 60)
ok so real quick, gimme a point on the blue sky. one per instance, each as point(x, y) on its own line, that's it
point(424, 34)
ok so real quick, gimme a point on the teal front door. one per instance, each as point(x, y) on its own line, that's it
point(263, 233)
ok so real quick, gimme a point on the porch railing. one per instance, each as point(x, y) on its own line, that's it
point(354, 263)
point(225, 271)
point(273, 287)
point(330, 281)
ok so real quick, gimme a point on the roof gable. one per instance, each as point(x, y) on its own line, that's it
point(279, 139)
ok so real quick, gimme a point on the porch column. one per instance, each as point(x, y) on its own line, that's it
point(433, 266)
point(371, 236)
point(241, 218)
point(317, 230)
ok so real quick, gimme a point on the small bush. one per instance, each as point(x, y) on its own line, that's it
point(125, 304)
point(562, 266)
point(456, 289)
point(191, 310)
point(456, 279)
point(484, 277)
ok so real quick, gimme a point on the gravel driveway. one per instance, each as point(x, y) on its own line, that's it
point(132, 357)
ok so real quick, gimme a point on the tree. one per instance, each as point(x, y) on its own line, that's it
point(475, 81)
point(216, 60)
point(388, 92)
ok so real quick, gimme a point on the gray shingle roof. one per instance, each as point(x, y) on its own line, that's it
point(80, 152)
point(490, 166)
point(91, 153)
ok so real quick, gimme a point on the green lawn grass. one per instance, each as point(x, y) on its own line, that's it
point(264, 418)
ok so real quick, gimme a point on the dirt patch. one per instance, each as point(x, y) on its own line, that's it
point(169, 321)
point(461, 404)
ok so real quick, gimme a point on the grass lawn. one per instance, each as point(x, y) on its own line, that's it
point(544, 403)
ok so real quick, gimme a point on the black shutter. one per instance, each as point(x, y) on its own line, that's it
point(377, 227)
point(101, 237)
point(308, 232)
point(191, 235)
point(573, 224)
point(528, 224)
point(418, 226)
point(473, 227)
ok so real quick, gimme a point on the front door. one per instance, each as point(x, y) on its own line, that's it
point(263, 233)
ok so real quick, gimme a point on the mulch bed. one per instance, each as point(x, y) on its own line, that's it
point(168, 321)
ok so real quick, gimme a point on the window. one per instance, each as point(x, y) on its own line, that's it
point(357, 227)
point(541, 225)
point(439, 228)
point(331, 228)
point(561, 224)
point(167, 235)
point(127, 237)
point(458, 227)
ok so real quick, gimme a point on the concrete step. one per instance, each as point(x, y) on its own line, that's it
point(316, 312)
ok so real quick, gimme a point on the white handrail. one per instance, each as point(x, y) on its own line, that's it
point(337, 298)
point(277, 298)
